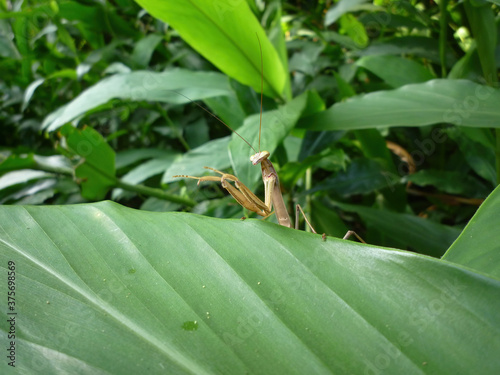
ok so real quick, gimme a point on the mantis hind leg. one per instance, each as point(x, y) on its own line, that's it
point(298, 211)
point(353, 233)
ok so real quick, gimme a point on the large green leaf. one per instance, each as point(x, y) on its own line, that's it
point(142, 85)
point(224, 31)
point(478, 247)
point(459, 102)
point(103, 289)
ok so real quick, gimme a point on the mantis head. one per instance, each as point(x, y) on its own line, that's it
point(259, 156)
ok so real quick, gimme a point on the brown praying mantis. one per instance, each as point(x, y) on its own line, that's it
point(243, 195)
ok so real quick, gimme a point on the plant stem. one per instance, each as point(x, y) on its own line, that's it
point(139, 189)
point(308, 196)
point(497, 154)
point(157, 193)
point(443, 27)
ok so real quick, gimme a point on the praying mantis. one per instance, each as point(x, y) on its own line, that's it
point(243, 195)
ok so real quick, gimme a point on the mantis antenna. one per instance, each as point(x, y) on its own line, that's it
point(261, 100)
point(217, 118)
point(261, 86)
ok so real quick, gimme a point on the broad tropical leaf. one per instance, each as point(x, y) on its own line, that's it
point(101, 288)
point(477, 246)
point(458, 102)
point(142, 85)
point(225, 32)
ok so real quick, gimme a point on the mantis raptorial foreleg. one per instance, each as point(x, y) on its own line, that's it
point(239, 191)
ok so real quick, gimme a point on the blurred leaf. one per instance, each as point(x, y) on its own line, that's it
point(20, 177)
point(65, 37)
point(354, 29)
point(450, 182)
point(197, 132)
point(159, 205)
point(119, 284)
point(484, 30)
point(213, 154)
point(150, 168)
point(314, 104)
point(459, 102)
point(127, 157)
point(225, 33)
point(315, 142)
point(468, 67)
point(481, 135)
point(293, 171)
point(35, 193)
point(224, 208)
point(334, 160)
point(277, 37)
point(343, 40)
point(420, 235)
point(395, 70)
point(155, 166)
point(89, 18)
point(141, 85)
point(292, 146)
point(417, 46)
point(143, 50)
point(480, 158)
point(228, 108)
point(22, 28)
point(326, 220)
point(304, 60)
point(14, 162)
point(391, 20)
point(361, 177)
point(8, 48)
point(374, 147)
point(345, 89)
point(96, 171)
point(342, 7)
point(30, 90)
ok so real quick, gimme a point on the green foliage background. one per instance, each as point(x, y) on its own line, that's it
point(380, 116)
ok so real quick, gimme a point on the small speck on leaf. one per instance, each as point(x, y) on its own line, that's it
point(190, 325)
